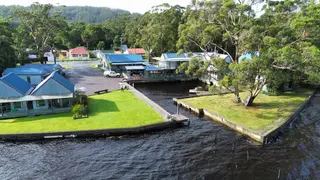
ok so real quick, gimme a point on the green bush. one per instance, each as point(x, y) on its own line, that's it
point(92, 55)
point(80, 98)
point(79, 111)
point(80, 105)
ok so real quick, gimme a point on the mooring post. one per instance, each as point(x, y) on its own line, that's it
point(279, 173)
point(178, 109)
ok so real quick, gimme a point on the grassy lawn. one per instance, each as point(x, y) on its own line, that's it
point(267, 111)
point(112, 110)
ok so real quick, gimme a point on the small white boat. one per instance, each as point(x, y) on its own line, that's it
point(196, 90)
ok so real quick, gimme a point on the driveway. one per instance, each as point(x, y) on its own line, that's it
point(90, 79)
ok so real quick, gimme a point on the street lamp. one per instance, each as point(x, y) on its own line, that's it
point(54, 51)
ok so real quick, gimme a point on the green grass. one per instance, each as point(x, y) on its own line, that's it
point(67, 67)
point(267, 112)
point(95, 67)
point(118, 109)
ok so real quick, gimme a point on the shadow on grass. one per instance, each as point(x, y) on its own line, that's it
point(97, 106)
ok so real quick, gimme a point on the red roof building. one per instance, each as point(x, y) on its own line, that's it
point(78, 50)
point(139, 51)
point(79, 53)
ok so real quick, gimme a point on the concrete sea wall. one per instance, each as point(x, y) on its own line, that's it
point(90, 133)
point(259, 136)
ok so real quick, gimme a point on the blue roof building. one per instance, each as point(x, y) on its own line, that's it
point(12, 85)
point(173, 55)
point(54, 84)
point(34, 73)
point(18, 98)
point(26, 71)
point(124, 58)
point(49, 67)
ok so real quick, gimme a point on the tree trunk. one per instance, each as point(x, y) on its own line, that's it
point(249, 100)
point(237, 98)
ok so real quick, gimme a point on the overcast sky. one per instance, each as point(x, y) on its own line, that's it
point(140, 6)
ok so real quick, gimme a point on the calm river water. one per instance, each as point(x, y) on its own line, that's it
point(202, 151)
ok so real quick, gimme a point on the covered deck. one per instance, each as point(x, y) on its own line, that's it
point(33, 106)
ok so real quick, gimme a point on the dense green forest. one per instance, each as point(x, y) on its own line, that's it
point(76, 13)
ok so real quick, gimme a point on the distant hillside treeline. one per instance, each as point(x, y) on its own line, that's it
point(77, 13)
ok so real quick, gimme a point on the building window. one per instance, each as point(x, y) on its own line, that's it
point(74, 55)
point(5, 107)
point(28, 79)
point(17, 105)
point(41, 103)
point(66, 103)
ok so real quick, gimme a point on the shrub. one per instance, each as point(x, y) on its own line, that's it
point(92, 55)
point(80, 98)
point(80, 105)
point(79, 111)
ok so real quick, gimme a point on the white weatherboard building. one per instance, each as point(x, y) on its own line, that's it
point(171, 61)
point(19, 98)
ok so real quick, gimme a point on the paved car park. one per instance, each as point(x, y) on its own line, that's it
point(89, 79)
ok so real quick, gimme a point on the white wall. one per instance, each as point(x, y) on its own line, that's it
point(80, 57)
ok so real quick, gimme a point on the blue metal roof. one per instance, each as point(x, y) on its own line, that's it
point(26, 71)
point(50, 67)
point(58, 78)
point(149, 67)
point(248, 56)
point(17, 83)
point(174, 55)
point(124, 58)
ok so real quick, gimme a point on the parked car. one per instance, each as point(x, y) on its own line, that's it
point(111, 74)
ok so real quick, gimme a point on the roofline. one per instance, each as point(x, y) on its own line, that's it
point(12, 86)
point(46, 82)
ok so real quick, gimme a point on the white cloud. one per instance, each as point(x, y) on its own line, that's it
point(140, 6)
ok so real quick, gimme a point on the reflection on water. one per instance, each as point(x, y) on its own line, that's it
point(205, 150)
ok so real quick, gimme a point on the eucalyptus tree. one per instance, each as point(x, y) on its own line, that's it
point(218, 25)
point(41, 23)
point(283, 39)
point(157, 30)
point(7, 52)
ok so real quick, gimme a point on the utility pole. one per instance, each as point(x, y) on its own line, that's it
point(121, 38)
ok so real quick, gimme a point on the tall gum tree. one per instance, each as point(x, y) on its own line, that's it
point(7, 53)
point(41, 23)
point(283, 38)
point(218, 25)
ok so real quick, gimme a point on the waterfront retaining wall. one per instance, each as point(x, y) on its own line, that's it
point(259, 136)
point(90, 133)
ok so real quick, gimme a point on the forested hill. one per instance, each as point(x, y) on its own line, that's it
point(77, 13)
